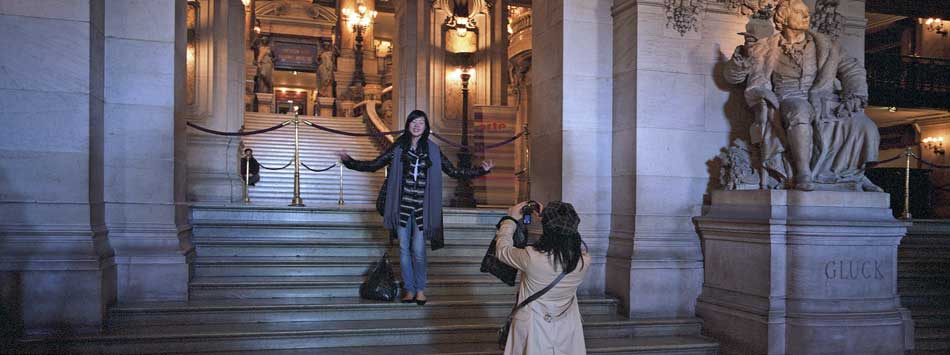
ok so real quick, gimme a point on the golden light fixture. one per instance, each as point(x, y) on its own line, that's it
point(361, 18)
point(461, 24)
point(933, 25)
point(459, 71)
point(246, 3)
point(935, 144)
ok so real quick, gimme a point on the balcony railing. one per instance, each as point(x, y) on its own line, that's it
point(907, 81)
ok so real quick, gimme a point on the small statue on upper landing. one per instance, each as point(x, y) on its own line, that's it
point(808, 101)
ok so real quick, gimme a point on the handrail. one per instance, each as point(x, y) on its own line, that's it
point(374, 118)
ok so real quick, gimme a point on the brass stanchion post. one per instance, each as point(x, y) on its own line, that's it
point(340, 200)
point(297, 201)
point(247, 179)
point(907, 153)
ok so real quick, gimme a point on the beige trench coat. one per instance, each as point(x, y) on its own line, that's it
point(551, 325)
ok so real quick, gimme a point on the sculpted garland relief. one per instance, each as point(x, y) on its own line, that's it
point(807, 97)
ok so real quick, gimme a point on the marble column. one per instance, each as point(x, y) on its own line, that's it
point(411, 58)
point(139, 149)
point(570, 118)
point(212, 160)
point(57, 274)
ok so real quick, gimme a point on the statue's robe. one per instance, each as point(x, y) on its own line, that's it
point(842, 145)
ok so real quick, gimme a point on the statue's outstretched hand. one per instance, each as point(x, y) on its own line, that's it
point(488, 164)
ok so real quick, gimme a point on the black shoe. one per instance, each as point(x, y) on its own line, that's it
point(409, 300)
point(421, 302)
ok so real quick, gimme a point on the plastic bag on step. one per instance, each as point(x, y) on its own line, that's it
point(381, 283)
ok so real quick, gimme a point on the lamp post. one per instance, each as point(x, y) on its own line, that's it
point(359, 20)
point(464, 193)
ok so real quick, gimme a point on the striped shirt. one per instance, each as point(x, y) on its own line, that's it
point(413, 187)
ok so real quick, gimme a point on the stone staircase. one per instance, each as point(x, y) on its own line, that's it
point(923, 281)
point(317, 150)
point(280, 280)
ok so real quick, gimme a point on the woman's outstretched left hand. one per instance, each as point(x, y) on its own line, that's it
point(488, 164)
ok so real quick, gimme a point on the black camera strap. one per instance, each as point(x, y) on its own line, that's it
point(535, 296)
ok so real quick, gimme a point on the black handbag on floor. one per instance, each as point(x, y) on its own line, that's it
point(381, 283)
point(505, 329)
point(492, 265)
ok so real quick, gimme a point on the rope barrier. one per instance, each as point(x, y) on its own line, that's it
point(318, 170)
point(285, 165)
point(351, 134)
point(247, 133)
point(487, 146)
point(380, 134)
point(879, 162)
point(938, 166)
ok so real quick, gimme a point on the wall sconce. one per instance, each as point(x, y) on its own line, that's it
point(933, 25)
point(935, 144)
point(247, 3)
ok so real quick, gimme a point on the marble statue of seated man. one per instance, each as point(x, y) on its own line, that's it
point(808, 99)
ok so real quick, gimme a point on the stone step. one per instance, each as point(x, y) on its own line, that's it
point(335, 286)
point(932, 339)
point(927, 298)
point(320, 309)
point(670, 345)
point(375, 248)
point(280, 216)
point(210, 266)
point(368, 230)
point(333, 334)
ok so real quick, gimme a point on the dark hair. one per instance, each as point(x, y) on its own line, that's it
point(560, 239)
point(248, 150)
point(405, 139)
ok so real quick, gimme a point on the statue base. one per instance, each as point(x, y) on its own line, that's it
point(326, 106)
point(795, 272)
point(265, 103)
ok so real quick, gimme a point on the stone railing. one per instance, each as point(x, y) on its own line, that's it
point(907, 81)
point(375, 123)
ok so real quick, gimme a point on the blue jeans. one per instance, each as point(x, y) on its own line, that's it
point(412, 257)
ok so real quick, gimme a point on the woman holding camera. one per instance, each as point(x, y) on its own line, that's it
point(414, 197)
point(550, 324)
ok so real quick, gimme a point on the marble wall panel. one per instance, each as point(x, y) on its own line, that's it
point(44, 54)
point(587, 103)
point(150, 20)
point(670, 196)
point(43, 176)
point(74, 10)
point(589, 45)
point(670, 100)
point(139, 72)
point(671, 152)
point(37, 120)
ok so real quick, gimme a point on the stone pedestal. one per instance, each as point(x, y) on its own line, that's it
point(793, 272)
point(265, 103)
point(346, 108)
point(326, 106)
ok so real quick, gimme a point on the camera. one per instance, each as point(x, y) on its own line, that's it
point(528, 209)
